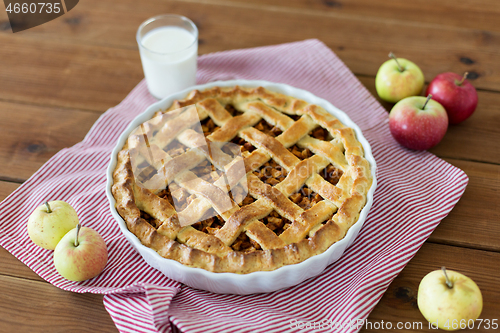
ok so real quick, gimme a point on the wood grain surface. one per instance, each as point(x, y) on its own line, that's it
point(58, 78)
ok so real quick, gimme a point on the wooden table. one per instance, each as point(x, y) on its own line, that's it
point(58, 78)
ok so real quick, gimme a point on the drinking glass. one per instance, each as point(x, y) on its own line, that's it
point(168, 45)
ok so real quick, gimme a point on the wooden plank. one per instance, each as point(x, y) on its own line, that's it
point(474, 220)
point(57, 74)
point(463, 14)
point(361, 43)
point(33, 306)
point(47, 308)
point(475, 139)
point(30, 135)
point(464, 226)
point(472, 223)
point(471, 139)
point(10, 265)
point(6, 188)
point(399, 303)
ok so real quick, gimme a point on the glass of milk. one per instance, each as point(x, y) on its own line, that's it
point(168, 45)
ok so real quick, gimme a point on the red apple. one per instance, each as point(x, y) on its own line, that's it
point(418, 123)
point(456, 94)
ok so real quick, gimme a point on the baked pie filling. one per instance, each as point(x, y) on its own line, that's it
point(306, 183)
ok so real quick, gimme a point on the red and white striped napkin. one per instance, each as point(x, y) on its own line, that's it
point(416, 190)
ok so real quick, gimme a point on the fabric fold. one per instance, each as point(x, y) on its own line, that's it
point(141, 307)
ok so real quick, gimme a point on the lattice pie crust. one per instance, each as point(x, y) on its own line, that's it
point(306, 174)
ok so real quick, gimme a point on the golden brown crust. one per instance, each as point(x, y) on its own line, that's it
point(310, 231)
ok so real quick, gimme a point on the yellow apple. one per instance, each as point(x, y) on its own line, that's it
point(448, 299)
point(398, 78)
point(50, 222)
point(81, 254)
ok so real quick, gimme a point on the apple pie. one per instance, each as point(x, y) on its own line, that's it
point(302, 184)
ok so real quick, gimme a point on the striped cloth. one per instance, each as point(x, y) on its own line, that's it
point(416, 191)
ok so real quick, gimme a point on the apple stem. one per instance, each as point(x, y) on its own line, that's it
point(448, 282)
point(459, 83)
point(391, 55)
point(78, 227)
point(426, 101)
point(48, 207)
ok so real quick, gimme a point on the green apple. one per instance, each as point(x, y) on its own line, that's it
point(50, 222)
point(398, 78)
point(449, 299)
point(81, 254)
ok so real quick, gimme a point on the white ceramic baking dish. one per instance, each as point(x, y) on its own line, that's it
point(256, 282)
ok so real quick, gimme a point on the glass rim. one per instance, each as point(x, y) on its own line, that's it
point(158, 17)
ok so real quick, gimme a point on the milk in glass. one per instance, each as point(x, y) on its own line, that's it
point(168, 55)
